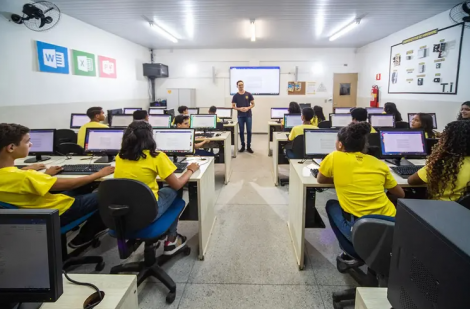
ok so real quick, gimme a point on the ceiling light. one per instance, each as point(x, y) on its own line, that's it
point(345, 29)
point(253, 31)
point(163, 32)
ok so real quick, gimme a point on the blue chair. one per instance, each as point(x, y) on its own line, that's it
point(73, 259)
point(129, 208)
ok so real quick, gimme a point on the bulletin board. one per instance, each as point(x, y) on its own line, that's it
point(427, 63)
point(296, 88)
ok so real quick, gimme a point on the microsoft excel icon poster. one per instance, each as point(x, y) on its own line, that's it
point(83, 63)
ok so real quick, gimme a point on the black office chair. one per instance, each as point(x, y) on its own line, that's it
point(430, 143)
point(326, 124)
point(65, 136)
point(72, 149)
point(219, 126)
point(129, 208)
point(402, 125)
point(465, 201)
point(297, 147)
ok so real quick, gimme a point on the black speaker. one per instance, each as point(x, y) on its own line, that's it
point(155, 70)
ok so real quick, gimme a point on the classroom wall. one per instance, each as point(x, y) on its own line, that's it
point(192, 68)
point(45, 100)
point(374, 58)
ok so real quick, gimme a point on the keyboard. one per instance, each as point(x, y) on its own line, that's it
point(82, 169)
point(205, 135)
point(314, 172)
point(180, 167)
point(406, 171)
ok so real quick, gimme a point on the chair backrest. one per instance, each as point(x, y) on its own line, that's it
point(298, 147)
point(465, 201)
point(324, 124)
point(219, 126)
point(70, 149)
point(372, 238)
point(65, 136)
point(402, 125)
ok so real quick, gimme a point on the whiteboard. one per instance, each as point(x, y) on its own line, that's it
point(257, 80)
point(426, 62)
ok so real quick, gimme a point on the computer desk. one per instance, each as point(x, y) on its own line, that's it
point(273, 126)
point(279, 140)
point(201, 187)
point(233, 128)
point(225, 140)
point(301, 209)
point(372, 298)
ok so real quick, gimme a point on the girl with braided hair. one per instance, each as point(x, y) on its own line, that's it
point(447, 170)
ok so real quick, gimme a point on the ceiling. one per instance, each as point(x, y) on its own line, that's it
point(226, 23)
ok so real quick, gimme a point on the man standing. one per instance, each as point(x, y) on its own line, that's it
point(243, 102)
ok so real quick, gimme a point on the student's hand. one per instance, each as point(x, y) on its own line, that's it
point(108, 170)
point(193, 167)
point(205, 141)
point(53, 170)
point(36, 167)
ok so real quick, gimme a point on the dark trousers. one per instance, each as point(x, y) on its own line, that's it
point(241, 124)
point(340, 226)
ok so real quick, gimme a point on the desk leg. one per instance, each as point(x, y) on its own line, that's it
point(235, 140)
point(206, 204)
point(228, 158)
point(312, 216)
point(296, 219)
point(270, 139)
point(275, 162)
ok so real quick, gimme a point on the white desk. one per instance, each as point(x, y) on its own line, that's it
point(273, 126)
point(226, 138)
point(372, 298)
point(278, 137)
point(299, 182)
point(233, 128)
point(120, 292)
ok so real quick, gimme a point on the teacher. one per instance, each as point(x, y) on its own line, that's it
point(243, 102)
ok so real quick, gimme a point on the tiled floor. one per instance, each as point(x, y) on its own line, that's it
point(250, 261)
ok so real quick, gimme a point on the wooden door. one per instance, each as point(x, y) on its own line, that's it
point(344, 89)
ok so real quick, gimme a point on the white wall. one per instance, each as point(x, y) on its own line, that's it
point(374, 58)
point(192, 68)
point(40, 100)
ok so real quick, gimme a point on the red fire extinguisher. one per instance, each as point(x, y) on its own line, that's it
point(374, 96)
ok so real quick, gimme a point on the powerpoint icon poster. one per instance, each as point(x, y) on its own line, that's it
point(52, 58)
point(83, 63)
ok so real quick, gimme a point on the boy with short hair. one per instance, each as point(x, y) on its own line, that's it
point(307, 116)
point(182, 122)
point(183, 110)
point(359, 114)
point(213, 111)
point(140, 115)
point(96, 115)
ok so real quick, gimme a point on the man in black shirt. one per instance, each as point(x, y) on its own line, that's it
point(243, 102)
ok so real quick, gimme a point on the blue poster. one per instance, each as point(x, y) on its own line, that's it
point(52, 58)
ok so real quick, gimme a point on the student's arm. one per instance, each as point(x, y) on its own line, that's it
point(177, 183)
point(201, 144)
point(323, 179)
point(36, 167)
point(392, 186)
point(72, 183)
point(397, 191)
point(325, 172)
point(418, 178)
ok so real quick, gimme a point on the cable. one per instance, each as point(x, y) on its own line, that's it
point(85, 284)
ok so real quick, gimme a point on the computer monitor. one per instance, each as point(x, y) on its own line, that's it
point(433, 115)
point(175, 142)
point(430, 258)
point(43, 143)
point(78, 120)
point(304, 105)
point(170, 112)
point(375, 110)
point(131, 110)
point(204, 122)
point(318, 143)
point(278, 112)
point(121, 121)
point(382, 120)
point(340, 120)
point(402, 144)
point(112, 112)
point(156, 111)
point(103, 141)
point(30, 257)
point(193, 111)
point(160, 121)
point(342, 110)
point(292, 120)
point(224, 112)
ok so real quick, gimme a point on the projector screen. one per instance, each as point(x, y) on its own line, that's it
point(258, 80)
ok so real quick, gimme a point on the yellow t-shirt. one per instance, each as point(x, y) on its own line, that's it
point(145, 170)
point(30, 189)
point(299, 130)
point(314, 121)
point(360, 180)
point(372, 130)
point(82, 131)
point(461, 184)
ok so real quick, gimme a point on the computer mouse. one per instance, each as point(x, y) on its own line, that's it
point(217, 134)
point(203, 159)
point(93, 300)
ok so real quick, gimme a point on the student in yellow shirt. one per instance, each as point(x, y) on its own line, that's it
point(359, 180)
point(423, 121)
point(139, 159)
point(447, 170)
point(307, 115)
point(32, 189)
point(359, 114)
point(319, 116)
point(182, 122)
point(96, 114)
point(213, 111)
point(182, 110)
point(294, 108)
point(141, 115)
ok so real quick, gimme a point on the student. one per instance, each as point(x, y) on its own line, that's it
point(182, 122)
point(294, 108)
point(32, 189)
point(213, 111)
point(96, 114)
point(359, 114)
point(307, 115)
point(423, 121)
point(447, 170)
point(391, 109)
point(138, 159)
point(140, 115)
point(182, 110)
point(464, 111)
point(319, 116)
point(359, 180)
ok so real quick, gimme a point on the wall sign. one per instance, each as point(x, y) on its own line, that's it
point(52, 58)
point(83, 63)
point(107, 67)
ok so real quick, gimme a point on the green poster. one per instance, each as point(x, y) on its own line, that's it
point(83, 63)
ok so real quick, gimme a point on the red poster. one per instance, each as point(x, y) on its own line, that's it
point(107, 67)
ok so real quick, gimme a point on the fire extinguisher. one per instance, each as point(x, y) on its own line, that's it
point(374, 96)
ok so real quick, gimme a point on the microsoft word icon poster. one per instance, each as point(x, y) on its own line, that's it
point(52, 58)
point(83, 63)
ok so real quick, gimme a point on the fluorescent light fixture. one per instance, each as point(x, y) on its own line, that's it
point(163, 32)
point(253, 31)
point(345, 29)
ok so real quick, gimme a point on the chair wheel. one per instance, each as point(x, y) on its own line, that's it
point(187, 251)
point(170, 298)
point(96, 243)
point(100, 266)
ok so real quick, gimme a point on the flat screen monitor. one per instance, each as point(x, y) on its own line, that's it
point(78, 120)
point(433, 115)
point(30, 256)
point(304, 105)
point(318, 143)
point(175, 141)
point(170, 112)
point(340, 120)
point(278, 112)
point(203, 121)
point(402, 143)
point(342, 110)
point(131, 110)
point(382, 120)
point(112, 112)
point(103, 140)
point(193, 111)
point(122, 121)
point(374, 110)
point(160, 121)
point(292, 120)
point(42, 141)
point(156, 111)
point(224, 112)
